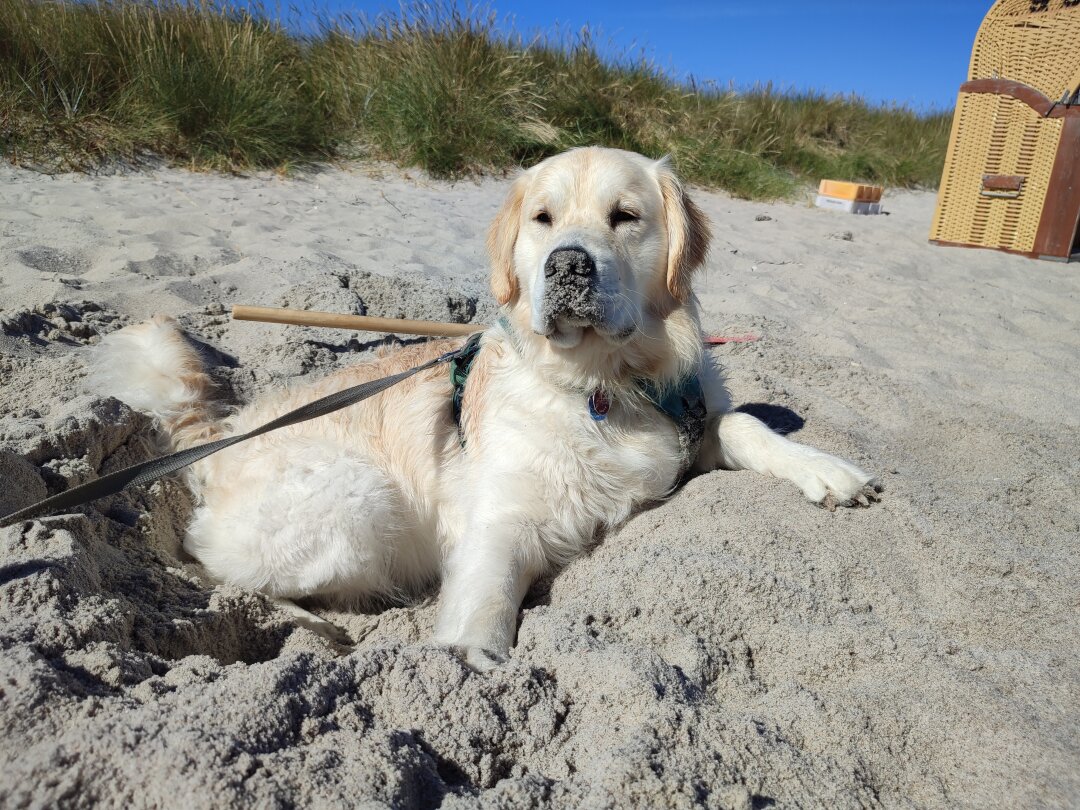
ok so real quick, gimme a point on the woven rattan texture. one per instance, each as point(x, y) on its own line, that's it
point(994, 134)
point(1035, 43)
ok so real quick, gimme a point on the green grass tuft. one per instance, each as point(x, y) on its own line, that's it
point(214, 86)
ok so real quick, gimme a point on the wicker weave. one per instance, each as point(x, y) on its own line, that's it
point(1002, 131)
point(994, 134)
point(1039, 48)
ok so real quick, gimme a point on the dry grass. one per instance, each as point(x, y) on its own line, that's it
point(213, 86)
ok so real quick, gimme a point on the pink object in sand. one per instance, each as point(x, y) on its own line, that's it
point(717, 340)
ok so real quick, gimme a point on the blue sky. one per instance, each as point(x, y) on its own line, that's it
point(908, 51)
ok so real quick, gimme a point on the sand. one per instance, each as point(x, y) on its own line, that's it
point(734, 647)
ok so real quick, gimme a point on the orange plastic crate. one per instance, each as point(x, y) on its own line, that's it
point(850, 191)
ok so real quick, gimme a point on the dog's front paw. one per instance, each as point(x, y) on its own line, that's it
point(868, 494)
point(831, 482)
point(478, 659)
point(481, 660)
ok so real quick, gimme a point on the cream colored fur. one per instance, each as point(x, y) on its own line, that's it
point(380, 499)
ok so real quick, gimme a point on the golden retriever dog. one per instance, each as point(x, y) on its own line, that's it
point(590, 398)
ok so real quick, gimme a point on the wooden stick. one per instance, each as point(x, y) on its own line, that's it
point(362, 323)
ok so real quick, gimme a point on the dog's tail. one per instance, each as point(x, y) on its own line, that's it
point(154, 369)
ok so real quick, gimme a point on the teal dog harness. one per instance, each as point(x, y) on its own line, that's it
point(683, 403)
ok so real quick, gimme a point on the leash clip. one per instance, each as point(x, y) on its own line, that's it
point(447, 357)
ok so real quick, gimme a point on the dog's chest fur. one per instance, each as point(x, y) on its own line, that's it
point(566, 474)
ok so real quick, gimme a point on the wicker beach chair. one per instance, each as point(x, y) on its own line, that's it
point(1012, 170)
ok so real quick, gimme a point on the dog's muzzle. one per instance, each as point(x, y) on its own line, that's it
point(571, 290)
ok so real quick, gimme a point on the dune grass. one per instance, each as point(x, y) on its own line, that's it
point(219, 87)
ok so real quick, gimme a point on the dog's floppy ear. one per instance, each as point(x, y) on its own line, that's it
point(501, 238)
point(687, 230)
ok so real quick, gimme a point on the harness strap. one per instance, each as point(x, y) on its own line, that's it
point(683, 403)
point(460, 366)
point(156, 468)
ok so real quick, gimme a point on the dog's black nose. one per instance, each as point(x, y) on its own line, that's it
point(569, 260)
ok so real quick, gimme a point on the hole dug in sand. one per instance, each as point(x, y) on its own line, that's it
point(65, 322)
point(90, 591)
point(107, 595)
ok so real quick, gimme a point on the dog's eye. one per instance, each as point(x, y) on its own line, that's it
point(619, 216)
point(544, 218)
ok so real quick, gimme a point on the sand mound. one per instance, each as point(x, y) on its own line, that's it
point(733, 647)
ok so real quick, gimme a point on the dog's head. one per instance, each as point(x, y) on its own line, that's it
point(593, 249)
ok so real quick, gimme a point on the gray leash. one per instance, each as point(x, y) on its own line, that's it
point(156, 468)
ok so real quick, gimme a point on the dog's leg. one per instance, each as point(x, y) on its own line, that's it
point(487, 576)
point(738, 441)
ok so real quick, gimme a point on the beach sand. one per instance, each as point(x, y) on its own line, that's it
point(735, 646)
